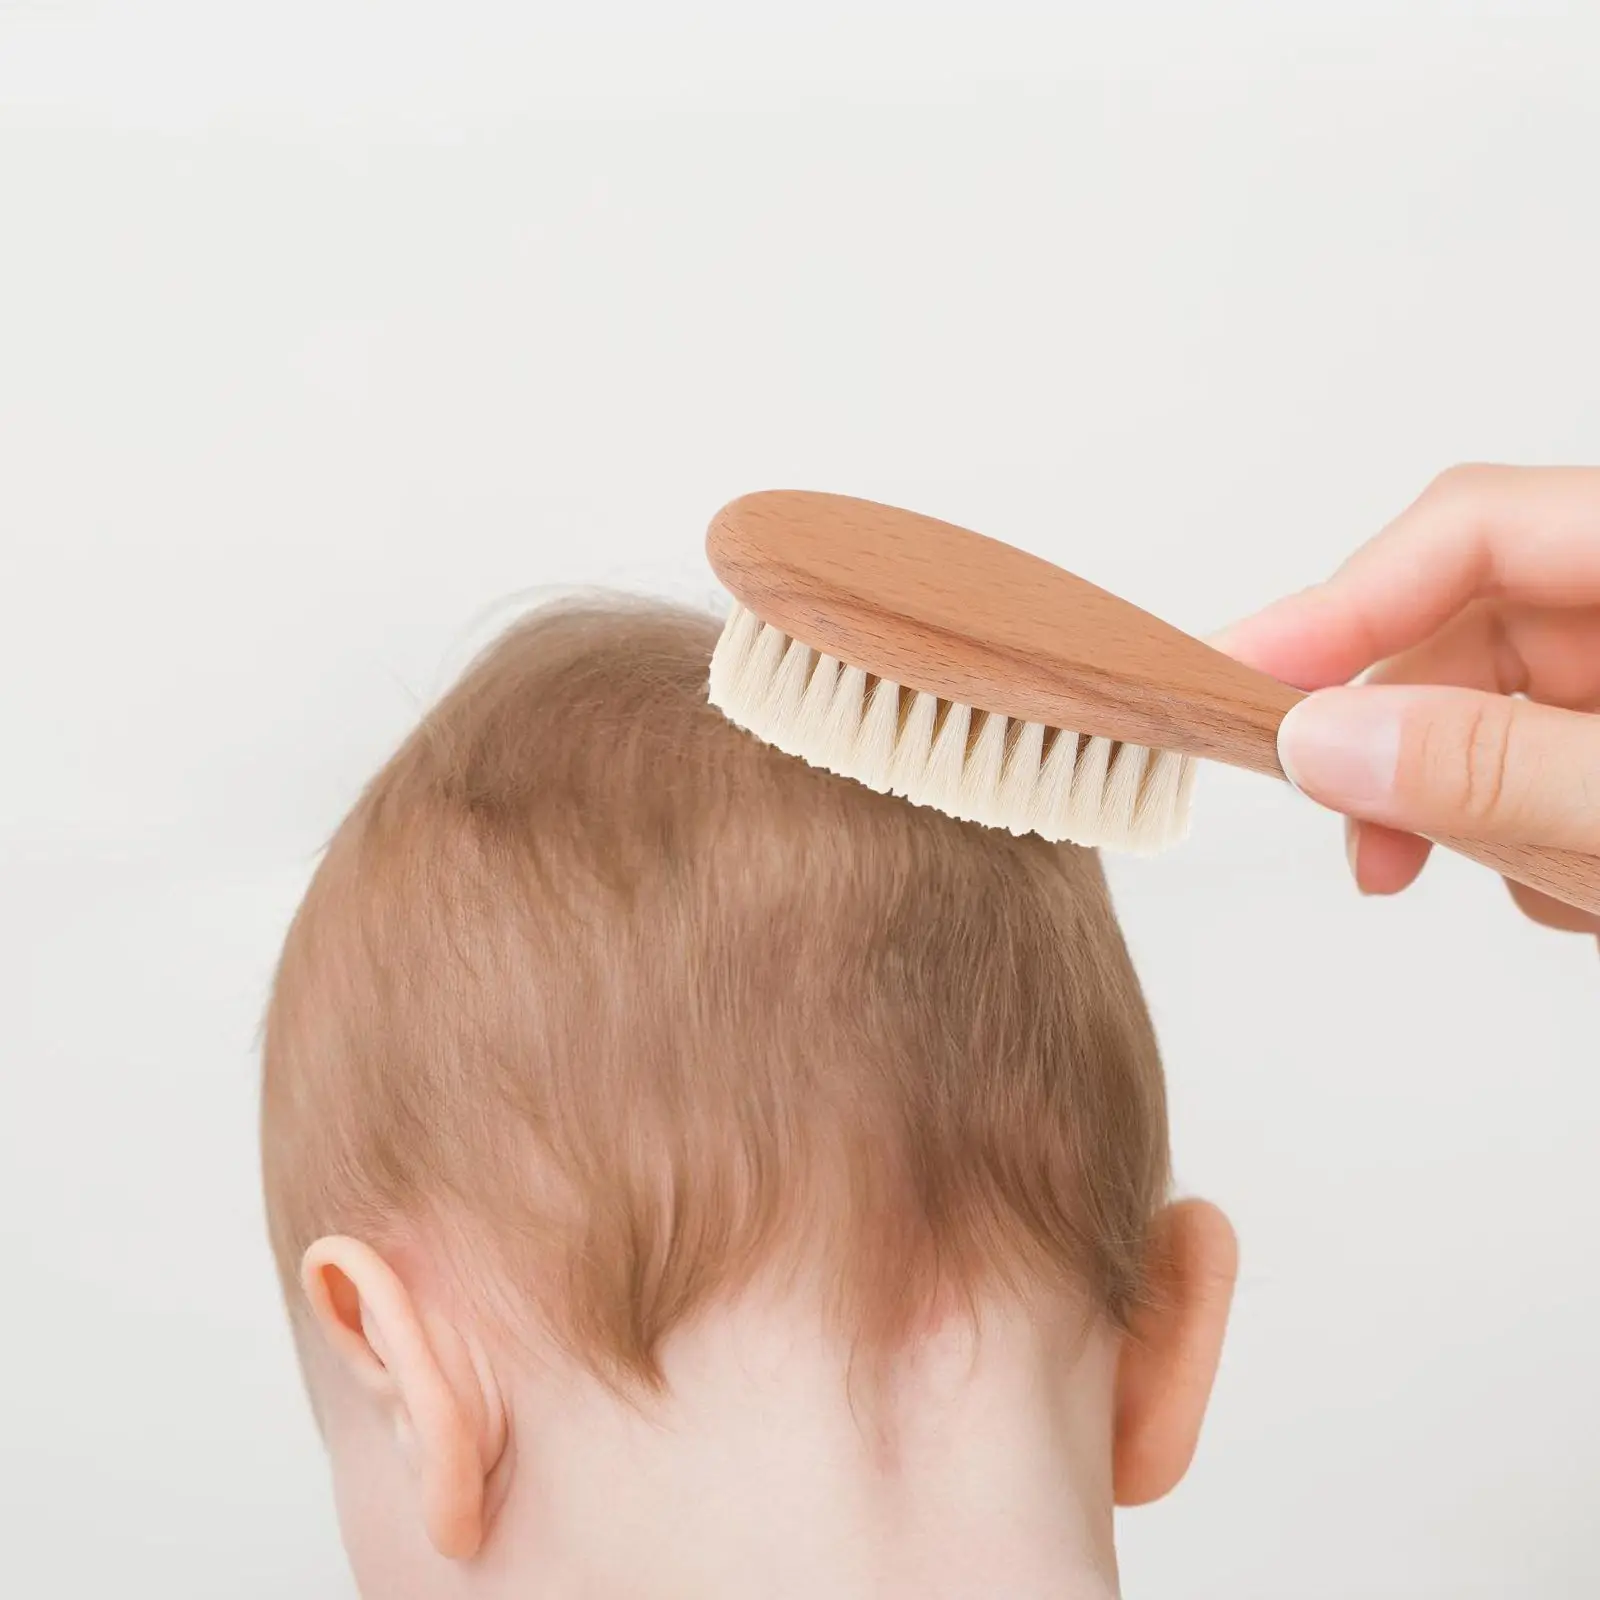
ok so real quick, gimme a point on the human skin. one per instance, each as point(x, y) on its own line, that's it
point(1473, 621)
point(985, 1459)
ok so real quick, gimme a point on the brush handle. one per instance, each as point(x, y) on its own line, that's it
point(1229, 712)
point(1566, 875)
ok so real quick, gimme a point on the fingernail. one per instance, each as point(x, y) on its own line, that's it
point(1342, 747)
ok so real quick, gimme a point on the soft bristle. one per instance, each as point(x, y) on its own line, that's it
point(978, 766)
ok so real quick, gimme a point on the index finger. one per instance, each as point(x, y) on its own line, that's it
point(1530, 534)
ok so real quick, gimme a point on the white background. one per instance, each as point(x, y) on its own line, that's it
point(328, 332)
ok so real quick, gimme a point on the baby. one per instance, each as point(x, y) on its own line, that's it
point(694, 1175)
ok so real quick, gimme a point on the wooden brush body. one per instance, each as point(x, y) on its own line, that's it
point(948, 612)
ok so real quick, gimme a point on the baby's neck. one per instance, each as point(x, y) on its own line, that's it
point(978, 1468)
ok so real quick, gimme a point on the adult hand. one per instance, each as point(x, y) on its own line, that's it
point(1488, 587)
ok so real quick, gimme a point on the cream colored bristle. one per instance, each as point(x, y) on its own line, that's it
point(914, 746)
point(976, 765)
point(1124, 777)
point(788, 695)
point(941, 778)
point(818, 701)
point(1089, 783)
point(750, 683)
point(1020, 777)
point(1050, 812)
point(732, 652)
point(872, 760)
point(842, 732)
point(978, 799)
point(1164, 798)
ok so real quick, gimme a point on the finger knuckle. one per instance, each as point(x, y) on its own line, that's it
point(1485, 761)
point(1461, 481)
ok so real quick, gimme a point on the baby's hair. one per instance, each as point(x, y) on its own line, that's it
point(645, 1010)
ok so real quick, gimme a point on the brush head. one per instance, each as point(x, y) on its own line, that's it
point(980, 766)
point(929, 661)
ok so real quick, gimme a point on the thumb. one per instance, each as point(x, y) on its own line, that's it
point(1449, 761)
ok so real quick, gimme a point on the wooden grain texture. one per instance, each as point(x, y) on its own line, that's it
point(1567, 875)
point(939, 608)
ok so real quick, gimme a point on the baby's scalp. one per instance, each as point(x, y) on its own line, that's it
point(649, 1009)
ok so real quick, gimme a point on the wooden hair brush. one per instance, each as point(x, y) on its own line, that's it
point(931, 662)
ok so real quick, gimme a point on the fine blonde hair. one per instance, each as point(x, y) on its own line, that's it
point(653, 1009)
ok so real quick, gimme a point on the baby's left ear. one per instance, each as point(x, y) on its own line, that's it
point(435, 1404)
point(1169, 1356)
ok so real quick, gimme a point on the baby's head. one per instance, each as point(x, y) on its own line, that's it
point(692, 1173)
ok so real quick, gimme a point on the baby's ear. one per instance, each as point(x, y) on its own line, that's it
point(1169, 1357)
point(435, 1406)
